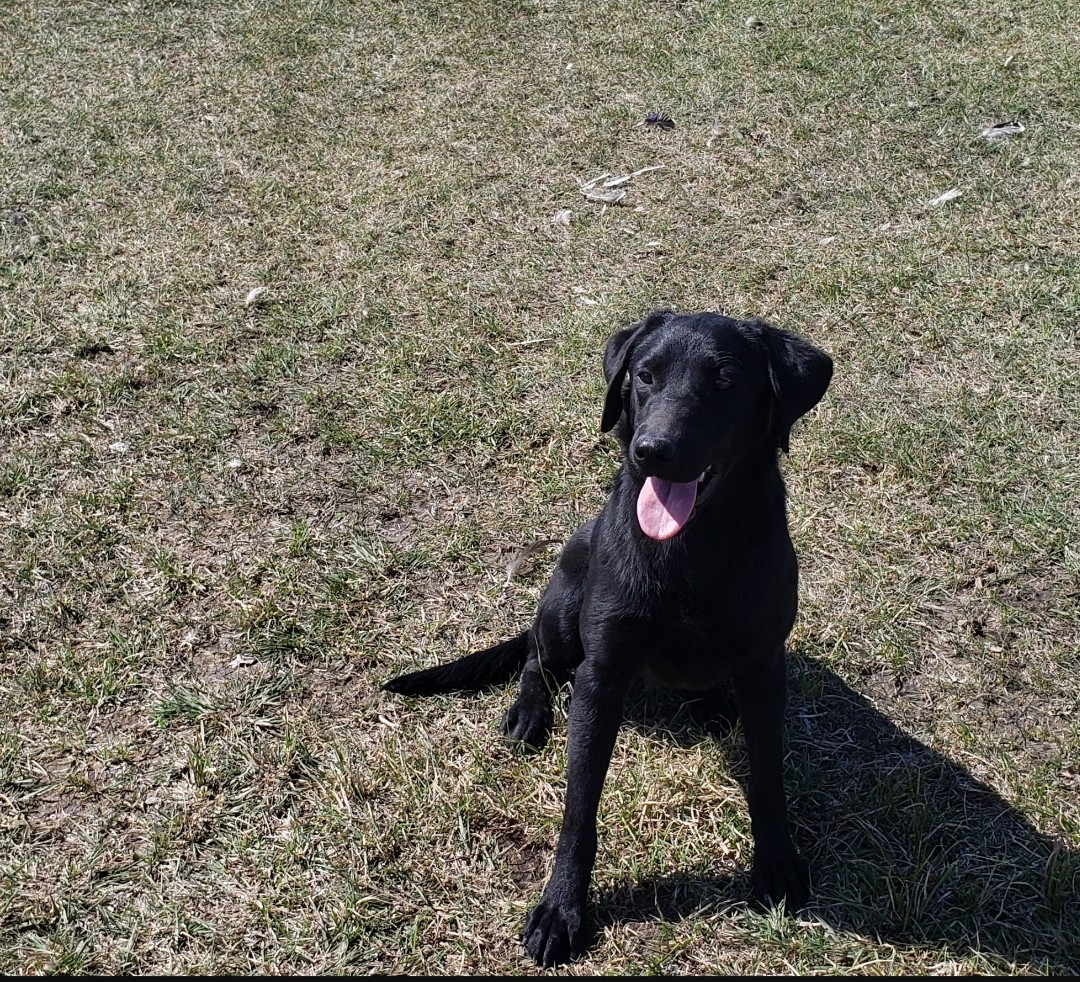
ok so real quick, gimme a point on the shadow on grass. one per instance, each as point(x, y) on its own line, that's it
point(905, 846)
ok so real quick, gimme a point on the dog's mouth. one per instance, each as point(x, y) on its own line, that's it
point(664, 507)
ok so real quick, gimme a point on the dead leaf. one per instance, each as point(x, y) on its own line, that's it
point(718, 132)
point(522, 555)
point(999, 131)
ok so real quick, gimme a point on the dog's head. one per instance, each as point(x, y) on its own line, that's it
point(694, 395)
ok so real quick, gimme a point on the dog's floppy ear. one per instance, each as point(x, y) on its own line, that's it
point(617, 354)
point(799, 373)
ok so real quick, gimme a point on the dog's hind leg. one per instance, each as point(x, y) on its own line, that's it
point(554, 648)
point(554, 653)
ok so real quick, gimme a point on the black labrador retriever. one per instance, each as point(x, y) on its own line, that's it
point(687, 577)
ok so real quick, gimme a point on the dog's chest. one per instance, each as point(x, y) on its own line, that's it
point(692, 644)
point(683, 635)
point(687, 620)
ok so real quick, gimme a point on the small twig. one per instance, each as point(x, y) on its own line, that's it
point(616, 181)
point(612, 192)
point(604, 197)
point(595, 180)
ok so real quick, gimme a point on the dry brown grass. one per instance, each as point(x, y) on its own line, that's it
point(223, 523)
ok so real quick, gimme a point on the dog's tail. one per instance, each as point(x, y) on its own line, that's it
point(492, 666)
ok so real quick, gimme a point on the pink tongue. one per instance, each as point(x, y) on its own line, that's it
point(664, 506)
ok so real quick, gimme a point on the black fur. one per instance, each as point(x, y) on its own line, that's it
point(704, 612)
point(492, 666)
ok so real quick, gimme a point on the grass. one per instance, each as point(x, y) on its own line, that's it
point(225, 519)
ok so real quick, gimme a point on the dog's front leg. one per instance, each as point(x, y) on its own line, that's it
point(556, 929)
point(779, 873)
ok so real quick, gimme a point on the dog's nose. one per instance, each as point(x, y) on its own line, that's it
point(653, 449)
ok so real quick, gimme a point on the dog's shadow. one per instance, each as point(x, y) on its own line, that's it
point(905, 846)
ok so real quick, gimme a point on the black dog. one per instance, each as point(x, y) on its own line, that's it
point(687, 577)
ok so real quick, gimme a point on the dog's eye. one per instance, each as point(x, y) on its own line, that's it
point(722, 382)
point(644, 377)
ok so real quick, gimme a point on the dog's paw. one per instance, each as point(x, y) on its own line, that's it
point(527, 727)
point(781, 876)
point(554, 933)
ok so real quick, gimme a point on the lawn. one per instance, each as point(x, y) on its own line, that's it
point(301, 315)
